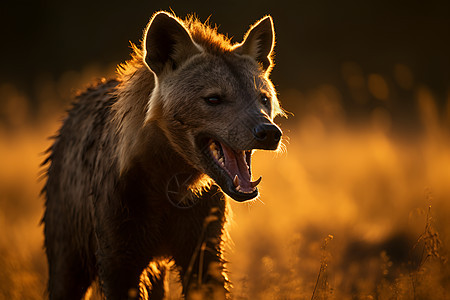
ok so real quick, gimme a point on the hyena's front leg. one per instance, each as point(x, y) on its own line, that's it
point(122, 256)
point(198, 253)
point(119, 273)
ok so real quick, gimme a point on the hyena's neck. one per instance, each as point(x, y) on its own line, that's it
point(143, 147)
point(133, 93)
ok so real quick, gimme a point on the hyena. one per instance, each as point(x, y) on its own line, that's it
point(141, 165)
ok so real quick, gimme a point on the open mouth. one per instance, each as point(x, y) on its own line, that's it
point(236, 166)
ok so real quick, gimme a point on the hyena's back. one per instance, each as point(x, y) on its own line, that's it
point(80, 156)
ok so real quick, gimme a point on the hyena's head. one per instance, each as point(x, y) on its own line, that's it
point(213, 100)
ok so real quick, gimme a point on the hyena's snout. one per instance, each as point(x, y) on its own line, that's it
point(267, 136)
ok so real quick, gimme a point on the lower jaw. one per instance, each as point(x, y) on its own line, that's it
point(229, 189)
point(242, 197)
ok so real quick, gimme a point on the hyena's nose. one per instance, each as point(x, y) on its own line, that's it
point(268, 135)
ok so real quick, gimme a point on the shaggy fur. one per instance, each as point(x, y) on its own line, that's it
point(124, 142)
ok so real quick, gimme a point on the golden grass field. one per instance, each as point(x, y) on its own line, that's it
point(347, 211)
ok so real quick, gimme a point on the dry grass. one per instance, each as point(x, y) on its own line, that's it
point(363, 185)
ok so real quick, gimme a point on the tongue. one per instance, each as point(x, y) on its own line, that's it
point(236, 165)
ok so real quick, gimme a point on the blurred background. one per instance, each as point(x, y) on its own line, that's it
point(358, 205)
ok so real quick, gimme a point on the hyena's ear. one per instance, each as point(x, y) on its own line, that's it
point(167, 43)
point(258, 42)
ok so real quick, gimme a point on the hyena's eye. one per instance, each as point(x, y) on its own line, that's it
point(213, 100)
point(265, 100)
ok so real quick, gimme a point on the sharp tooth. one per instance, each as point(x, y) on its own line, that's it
point(216, 154)
point(256, 182)
point(238, 188)
point(236, 181)
point(221, 161)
